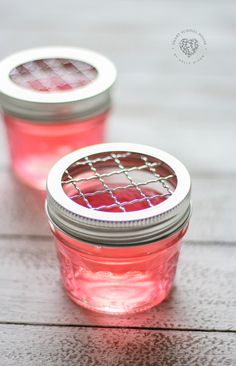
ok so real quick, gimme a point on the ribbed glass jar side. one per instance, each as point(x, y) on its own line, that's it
point(117, 279)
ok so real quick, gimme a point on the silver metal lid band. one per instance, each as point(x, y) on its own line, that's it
point(132, 235)
point(49, 113)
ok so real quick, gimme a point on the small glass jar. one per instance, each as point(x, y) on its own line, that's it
point(54, 100)
point(118, 213)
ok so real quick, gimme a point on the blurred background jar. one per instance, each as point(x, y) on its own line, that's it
point(54, 100)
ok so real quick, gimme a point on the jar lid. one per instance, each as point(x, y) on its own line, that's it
point(119, 194)
point(56, 83)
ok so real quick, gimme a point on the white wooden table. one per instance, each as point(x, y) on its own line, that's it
point(188, 110)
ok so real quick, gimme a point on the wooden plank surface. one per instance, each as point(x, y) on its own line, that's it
point(159, 101)
point(37, 345)
point(187, 110)
point(142, 30)
point(203, 296)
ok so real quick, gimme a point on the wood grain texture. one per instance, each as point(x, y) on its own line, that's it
point(24, 345)
point(203, 296)
point(214, 210)
point(188, 110)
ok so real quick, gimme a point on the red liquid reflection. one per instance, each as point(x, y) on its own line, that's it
point(35, 147)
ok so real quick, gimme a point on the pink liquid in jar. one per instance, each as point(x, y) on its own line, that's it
point(118, 280)
point(35, 147)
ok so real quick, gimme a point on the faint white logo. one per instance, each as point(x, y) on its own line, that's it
point(189, 46)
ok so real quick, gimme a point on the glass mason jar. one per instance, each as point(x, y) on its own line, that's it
point(54, 100)
point(118, 213)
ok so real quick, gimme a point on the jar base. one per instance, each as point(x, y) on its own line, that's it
point(121, 309)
